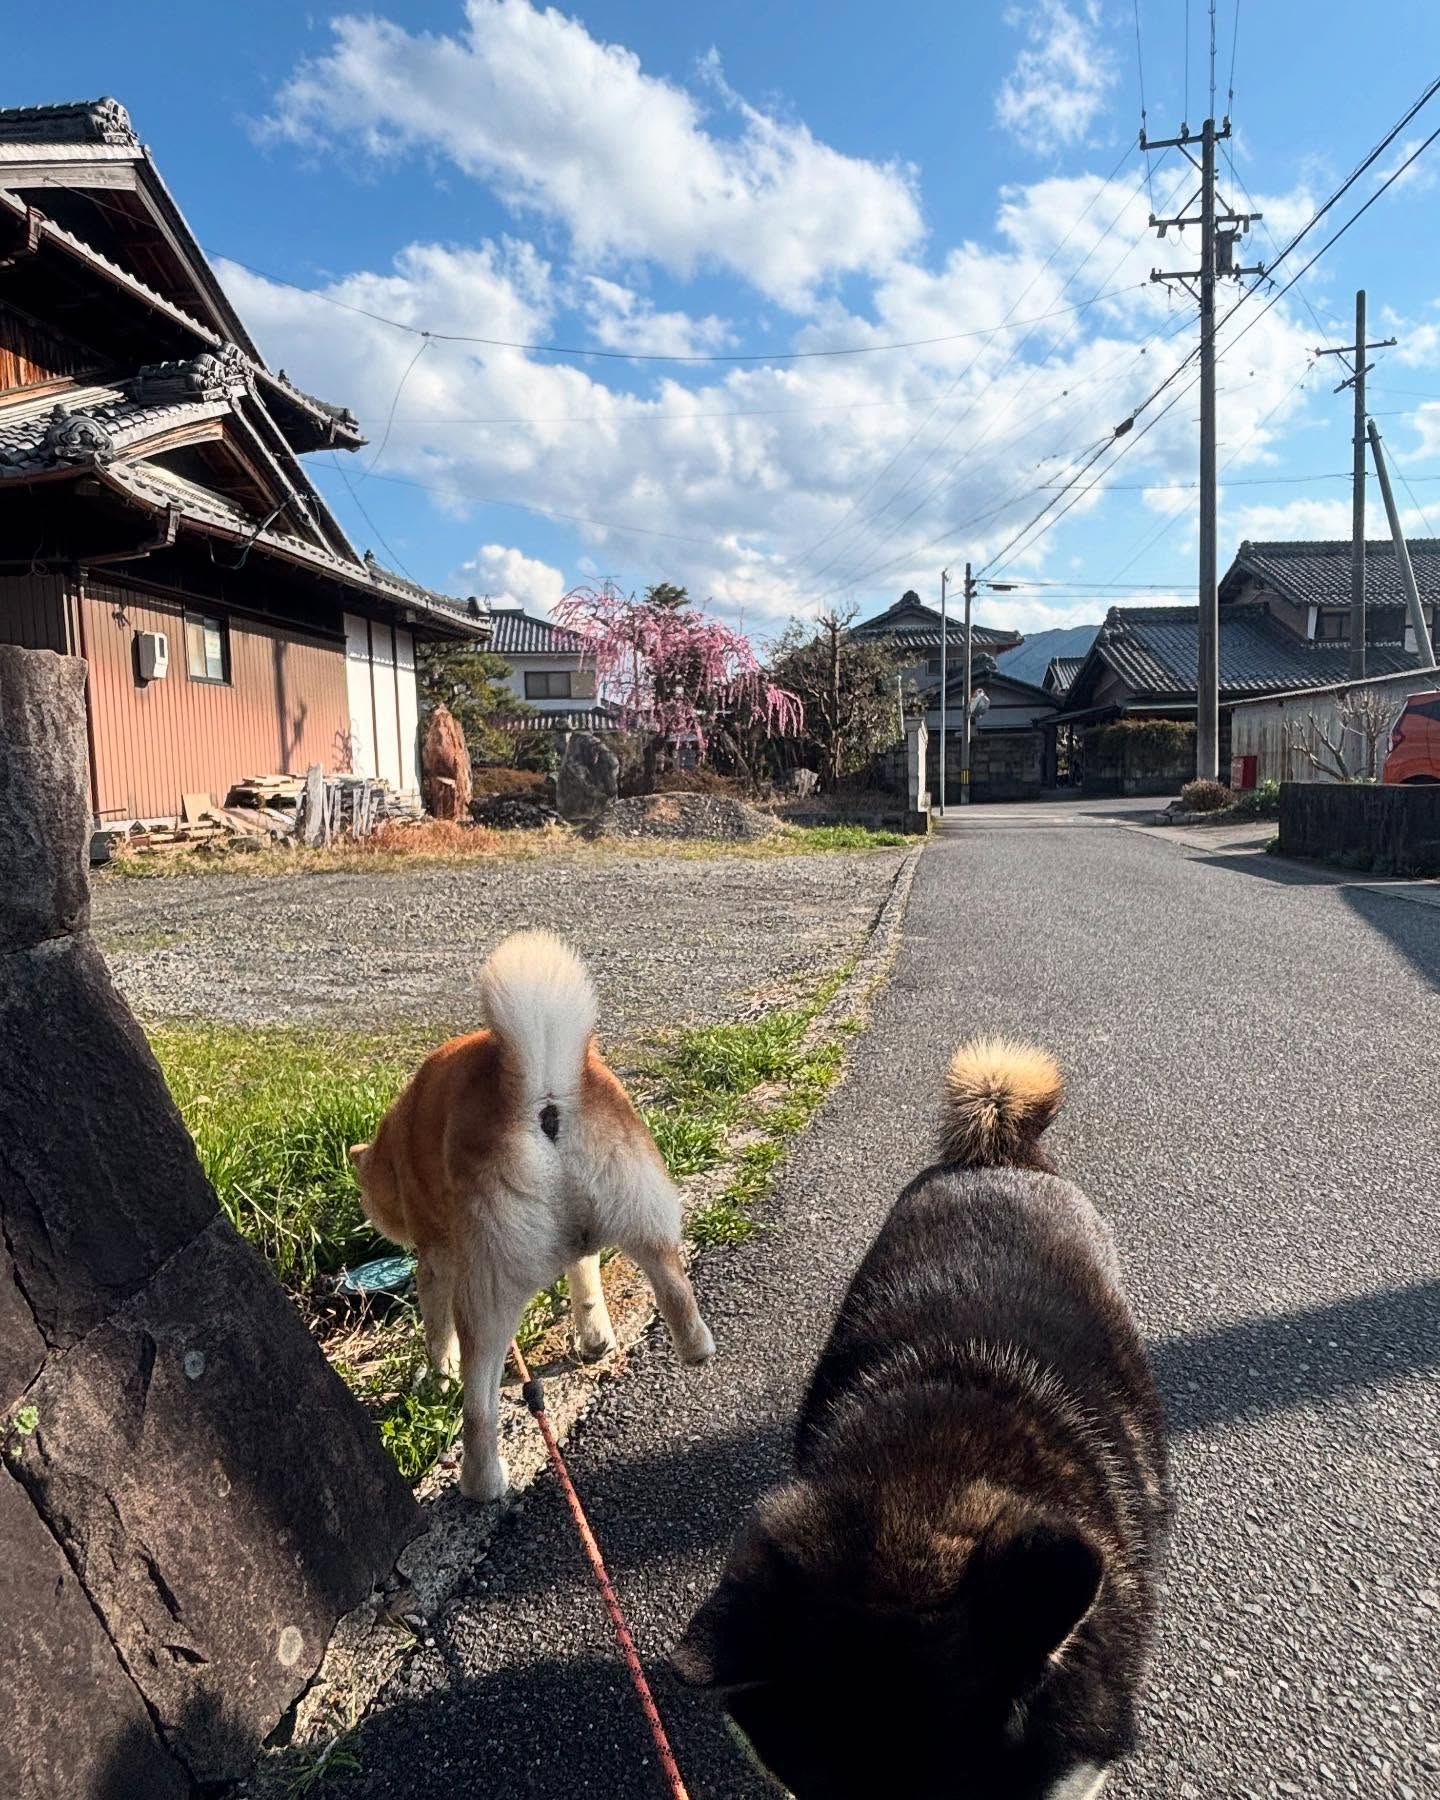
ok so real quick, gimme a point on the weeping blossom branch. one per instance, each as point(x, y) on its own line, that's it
point(674, 671)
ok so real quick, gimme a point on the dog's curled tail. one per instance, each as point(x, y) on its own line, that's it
point(999, 1096)
point(538, 999)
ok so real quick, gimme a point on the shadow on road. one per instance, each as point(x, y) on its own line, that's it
point(1414, 930)
point(1294, 1359)
point(586, 1735)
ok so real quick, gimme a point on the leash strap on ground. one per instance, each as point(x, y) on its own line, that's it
point(534, 1394)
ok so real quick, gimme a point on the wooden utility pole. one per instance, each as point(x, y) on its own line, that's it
point(1220, 226)
point(1359, 350)
point(965, 735)
point(944, 677)
point(1402, 555)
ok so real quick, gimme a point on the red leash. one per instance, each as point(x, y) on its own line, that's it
point(534, 1393)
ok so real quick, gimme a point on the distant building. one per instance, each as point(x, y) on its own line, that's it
point(550, 666)
point(911, 631)
point(155, 514)
point(1284, 625)
point(1060, 673)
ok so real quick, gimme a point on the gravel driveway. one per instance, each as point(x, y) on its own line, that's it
point(671, 941)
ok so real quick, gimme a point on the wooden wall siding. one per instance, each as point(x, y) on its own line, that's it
point(32, 612)
point(283, 708)
point(29, 354)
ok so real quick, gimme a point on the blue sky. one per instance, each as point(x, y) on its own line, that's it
point(753, 179)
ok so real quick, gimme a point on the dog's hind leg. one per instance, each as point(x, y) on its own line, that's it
point(486, 1322)
point(435, 1281)
point(665, 1271)
point(594, 1334)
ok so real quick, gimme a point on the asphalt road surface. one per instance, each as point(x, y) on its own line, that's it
point(1254, 1102)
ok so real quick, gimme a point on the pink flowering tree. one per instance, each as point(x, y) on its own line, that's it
point(677, 675)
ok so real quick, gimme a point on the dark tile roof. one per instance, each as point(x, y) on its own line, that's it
point(908, 625)
point(1060, 672)
point(1318, 572)
point(598, 718)
point(103, 121)
point(1155, 649)
point(89, 424)
point(518, 633)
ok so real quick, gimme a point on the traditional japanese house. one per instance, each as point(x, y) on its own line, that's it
point(155, 514)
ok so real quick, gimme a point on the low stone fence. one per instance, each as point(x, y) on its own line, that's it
point(1393, 830)
point(189, 1496)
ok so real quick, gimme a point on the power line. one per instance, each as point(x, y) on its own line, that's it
point(424, 345)
point(549, 512)
point(969, 449)
point(842, 523)
point(1212, 58)
point(1234, 41)
point(1140, 65)
point(750, 356)
point(344, 475)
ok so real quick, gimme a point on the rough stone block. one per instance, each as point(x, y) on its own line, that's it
point(223, 1497)
point(22, 1349)
point(75, 1725)
point(589, 777)
point(44, 797)
point(99, 1182)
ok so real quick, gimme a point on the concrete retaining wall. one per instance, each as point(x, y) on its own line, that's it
point(1396, 828)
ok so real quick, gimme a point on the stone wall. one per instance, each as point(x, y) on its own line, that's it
point(1396, 830)
point(190, 1497)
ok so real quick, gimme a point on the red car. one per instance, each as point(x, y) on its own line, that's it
point(1414, 754)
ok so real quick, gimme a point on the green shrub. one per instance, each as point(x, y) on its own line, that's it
point(1261, 802)
point(1205, 795)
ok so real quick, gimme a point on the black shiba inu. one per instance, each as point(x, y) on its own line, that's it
point(954, 1597)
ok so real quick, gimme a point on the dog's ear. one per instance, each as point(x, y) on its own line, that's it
point(357, 1154)
point(1029, 1590)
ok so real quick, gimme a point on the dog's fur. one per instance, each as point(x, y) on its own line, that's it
point(515, 1155)
point(954, 1596)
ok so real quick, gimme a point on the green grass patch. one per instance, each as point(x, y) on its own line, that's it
point(848, 837)
point(273, 1112)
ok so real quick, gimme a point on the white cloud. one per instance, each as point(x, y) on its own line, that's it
point(621, 319)
point(749, 484)
point(1061, 77)
point(1418, 178)
point(574, 130)
point(1323, 519)
point(511, 578)
point(1425, 420)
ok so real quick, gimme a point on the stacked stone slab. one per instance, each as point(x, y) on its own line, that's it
point(190, 1498)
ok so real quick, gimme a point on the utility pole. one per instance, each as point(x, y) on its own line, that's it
point(965, 735)
point(944, 677)
point(1402, 555)
point(1220, 226)
point(1359, 350)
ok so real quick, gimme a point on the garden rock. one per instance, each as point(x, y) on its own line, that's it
point(589, 777)
point(448, 779)
point(45, 823)
point(59, 1662)
point(206, 1468)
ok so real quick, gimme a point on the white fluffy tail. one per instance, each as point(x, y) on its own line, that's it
point(538, 998)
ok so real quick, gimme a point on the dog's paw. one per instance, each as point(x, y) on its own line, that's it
point(699, 1346)
point(484, 1481)
point(593, 1348)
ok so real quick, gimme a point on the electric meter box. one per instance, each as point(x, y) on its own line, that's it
point(153, 649)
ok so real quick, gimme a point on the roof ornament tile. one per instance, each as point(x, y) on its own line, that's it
point(78, 437)
point(212, 375)
point(112, 124)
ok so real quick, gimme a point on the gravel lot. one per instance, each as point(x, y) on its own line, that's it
point(671, 941)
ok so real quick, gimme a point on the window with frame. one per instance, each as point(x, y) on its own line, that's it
point(559, 684)
point(207, 648)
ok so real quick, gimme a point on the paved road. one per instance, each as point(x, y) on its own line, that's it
point(1254, 1103)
